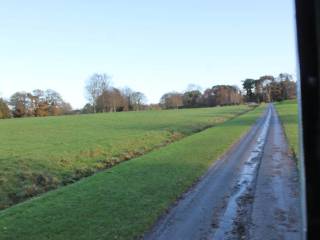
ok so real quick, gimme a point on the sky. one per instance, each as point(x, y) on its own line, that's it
point(150, 46)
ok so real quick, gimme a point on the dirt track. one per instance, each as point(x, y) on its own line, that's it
point(250, 193)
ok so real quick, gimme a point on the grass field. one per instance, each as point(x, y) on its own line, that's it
point(288, 112)
point(39, 154)
point(124, 201)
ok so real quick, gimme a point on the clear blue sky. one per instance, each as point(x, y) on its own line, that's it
point(150, 46)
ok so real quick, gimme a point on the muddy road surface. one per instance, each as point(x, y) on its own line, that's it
point(250, 193)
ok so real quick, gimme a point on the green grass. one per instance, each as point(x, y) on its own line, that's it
point(288, 112)
point(39, 154)
point(124, 201)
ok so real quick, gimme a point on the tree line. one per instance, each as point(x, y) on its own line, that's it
point(38, 103)
point(267, 88)
point(103, 97)
point(218, 95)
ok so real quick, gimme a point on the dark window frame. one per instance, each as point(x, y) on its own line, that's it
point(308, 36)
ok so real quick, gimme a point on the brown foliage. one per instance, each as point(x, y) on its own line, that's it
point(38, 103)
point(172, 100)
point(222, 95)
point(4, 109)
point(111, 100)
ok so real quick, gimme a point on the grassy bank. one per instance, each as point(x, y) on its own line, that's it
point(39, 154)
point(124, 201)
point(288, 112)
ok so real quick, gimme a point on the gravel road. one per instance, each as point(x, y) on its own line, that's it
point(250, 193)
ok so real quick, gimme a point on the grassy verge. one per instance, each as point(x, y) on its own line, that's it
point(124, 201)
point(40, 154)
point(288, 112)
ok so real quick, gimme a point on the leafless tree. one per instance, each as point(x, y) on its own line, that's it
point(95, 86)
point(127, 93)
point(172, 100)
point(19, 103)
point(137, 100)
point(111, 100)
point(134, 99)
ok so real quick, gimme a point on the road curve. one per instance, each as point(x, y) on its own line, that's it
point(250, 193)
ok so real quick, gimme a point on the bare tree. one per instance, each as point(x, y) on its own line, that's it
point(221, 95)
point(53, 97)
point(172, 100)
point(19, 102)
point(95, 86)
point(134, 99)
point(138, 99)
point(127, 93)
point(111, 100)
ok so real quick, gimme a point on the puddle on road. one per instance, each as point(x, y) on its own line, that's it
point(234, 221)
